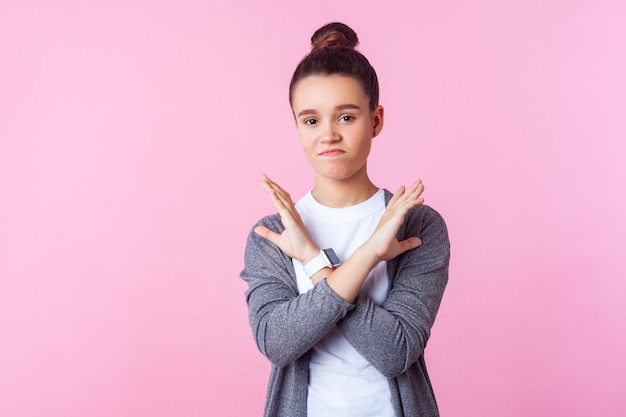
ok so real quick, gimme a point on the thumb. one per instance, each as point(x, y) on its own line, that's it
point(266, 233)
point(410, 243)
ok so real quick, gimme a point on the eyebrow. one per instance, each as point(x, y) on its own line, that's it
point(340, 107)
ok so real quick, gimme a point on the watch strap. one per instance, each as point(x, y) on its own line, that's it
point(323, 260)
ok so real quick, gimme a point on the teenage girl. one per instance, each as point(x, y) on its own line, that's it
point(344, 285)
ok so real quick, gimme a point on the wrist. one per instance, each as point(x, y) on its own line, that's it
point(309, 254)
point(368, 251)
point(326, 258)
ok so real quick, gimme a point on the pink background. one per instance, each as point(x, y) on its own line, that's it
point(132, 137)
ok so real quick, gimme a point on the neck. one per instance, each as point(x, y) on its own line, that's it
point(343, 193)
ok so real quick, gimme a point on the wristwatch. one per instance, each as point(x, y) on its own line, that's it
point(326, 258)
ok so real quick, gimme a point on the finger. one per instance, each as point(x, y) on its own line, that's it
point(405, 198)
point(413, 203)
point(266, 233)
point(280, 192)
point(268, 184)
point(396, 196)
point(413, 194)
point(286, 216)
point(415, 190)
point(279, 197)
point(417, 187)
point(273, 185)
point(285, 200)
point(410, 243)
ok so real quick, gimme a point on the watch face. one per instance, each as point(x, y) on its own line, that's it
point(332, 257)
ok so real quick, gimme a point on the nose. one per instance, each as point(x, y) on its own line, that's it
point(330, 134)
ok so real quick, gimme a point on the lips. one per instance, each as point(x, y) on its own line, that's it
point(332, 152)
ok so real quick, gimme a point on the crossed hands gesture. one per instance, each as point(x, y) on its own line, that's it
point(296, 243)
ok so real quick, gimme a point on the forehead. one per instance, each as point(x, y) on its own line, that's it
point(328, 91)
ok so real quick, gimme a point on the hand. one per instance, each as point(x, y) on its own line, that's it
point(383, 242)
point(294, 241)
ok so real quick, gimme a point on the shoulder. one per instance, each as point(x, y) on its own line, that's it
point(261, 250)
point(256, 242)
point(262, 255)
point(272, 222)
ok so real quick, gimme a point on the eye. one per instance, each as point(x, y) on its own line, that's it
point(310, 122)
point(346, 118)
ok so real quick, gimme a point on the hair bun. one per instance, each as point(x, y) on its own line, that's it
point(334, 35)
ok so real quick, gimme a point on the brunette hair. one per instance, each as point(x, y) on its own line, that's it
point(333, 53)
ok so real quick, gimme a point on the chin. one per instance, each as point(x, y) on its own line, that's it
point(339, 176)
point(343, 172)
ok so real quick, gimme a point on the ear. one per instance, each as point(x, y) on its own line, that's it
point(378, 118)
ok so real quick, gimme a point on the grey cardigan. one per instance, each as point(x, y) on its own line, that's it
point(392, 336)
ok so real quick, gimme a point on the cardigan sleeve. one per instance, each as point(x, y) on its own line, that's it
point(392, 336)
point(285, 324)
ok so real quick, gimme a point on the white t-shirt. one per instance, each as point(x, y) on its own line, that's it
point(341, 381)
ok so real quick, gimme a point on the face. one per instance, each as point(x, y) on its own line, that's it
point(335, 125)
